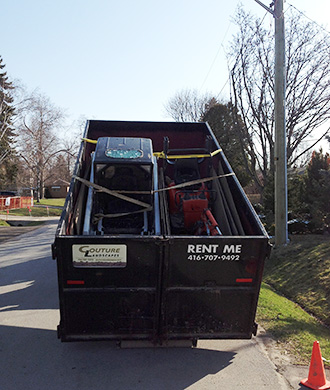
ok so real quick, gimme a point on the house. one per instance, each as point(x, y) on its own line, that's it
point(58, 189)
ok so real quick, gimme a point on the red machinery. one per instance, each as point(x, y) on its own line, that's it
point(189, 200)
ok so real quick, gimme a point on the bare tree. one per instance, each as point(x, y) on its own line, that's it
point(307, 94)
point(188, 105)
point(69, 148)
point(38, 140)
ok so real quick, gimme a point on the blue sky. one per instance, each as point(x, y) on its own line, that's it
point(123, 60)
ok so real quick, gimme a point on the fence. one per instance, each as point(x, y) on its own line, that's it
point(15, 202)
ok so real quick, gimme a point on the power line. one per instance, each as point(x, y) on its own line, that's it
point(223, 87)
point(209, 71)
point(216, 56)
point(313, 21)
point(221, 45)
point(230, 67)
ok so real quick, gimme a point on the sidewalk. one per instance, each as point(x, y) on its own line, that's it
point(26, 218)
point(18, 225)
point(284, 363)
point(15, 220)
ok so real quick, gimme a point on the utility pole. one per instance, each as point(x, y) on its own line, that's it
point(281, 188)
point(280, 157)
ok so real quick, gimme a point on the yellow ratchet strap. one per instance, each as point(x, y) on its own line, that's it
point(169, 157)
point(91, 141)
point(178, 156)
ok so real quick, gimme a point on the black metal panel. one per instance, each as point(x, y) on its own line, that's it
point(211, 286)
point(110, 301)
point(117, 312)
point(215, 261)
point(141, 269)
point(202, 313)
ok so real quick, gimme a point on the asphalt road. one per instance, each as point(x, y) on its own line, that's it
point(32, 358)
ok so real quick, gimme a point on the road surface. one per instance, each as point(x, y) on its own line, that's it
point(32, 358)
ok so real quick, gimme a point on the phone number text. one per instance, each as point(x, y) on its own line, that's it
point(214, 257)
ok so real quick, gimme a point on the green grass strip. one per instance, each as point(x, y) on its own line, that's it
point(301, 272)
point(39, 211)
point(52, 202)
point(293, 328)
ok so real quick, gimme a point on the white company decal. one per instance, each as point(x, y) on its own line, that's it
point(212, 252)
point(89, 255)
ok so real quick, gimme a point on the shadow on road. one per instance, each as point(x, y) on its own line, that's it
point(31, 356)
point(35, 359)
point(26, 286)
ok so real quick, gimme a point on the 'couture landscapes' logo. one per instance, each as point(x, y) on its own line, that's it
point(90, 255)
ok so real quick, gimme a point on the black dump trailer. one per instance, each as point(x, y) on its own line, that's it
point(157, 240)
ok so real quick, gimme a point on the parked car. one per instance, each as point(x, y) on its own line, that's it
point(7, 193)
point(298, 226)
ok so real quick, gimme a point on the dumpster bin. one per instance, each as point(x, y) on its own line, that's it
point(157, 240)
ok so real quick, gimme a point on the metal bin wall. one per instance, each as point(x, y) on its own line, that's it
point(169, 285)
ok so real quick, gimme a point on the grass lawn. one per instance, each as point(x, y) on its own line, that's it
point(300, 272)
point(52, 202)
point(293, 328)
point(38, 211)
